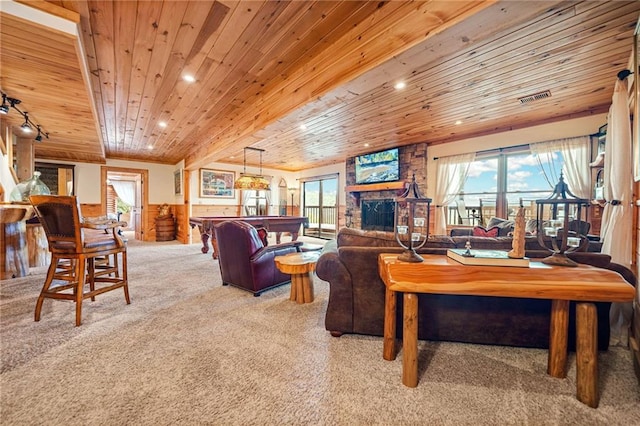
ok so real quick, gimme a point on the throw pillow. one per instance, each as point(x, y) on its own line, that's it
point(263, 234)
point(505, 226)
point(479, 231)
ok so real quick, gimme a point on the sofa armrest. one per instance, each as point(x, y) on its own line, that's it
point(339, 314)
point(277, 250)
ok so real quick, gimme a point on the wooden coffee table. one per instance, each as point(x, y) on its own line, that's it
point(300, 266)
point(439, 274)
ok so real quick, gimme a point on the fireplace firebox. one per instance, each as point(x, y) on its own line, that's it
point(378, 215)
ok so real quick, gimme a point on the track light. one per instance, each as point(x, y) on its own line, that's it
point(38, 137)
point(28, 125)
point(4, 109)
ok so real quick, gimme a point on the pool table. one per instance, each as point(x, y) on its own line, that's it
point(277, 224)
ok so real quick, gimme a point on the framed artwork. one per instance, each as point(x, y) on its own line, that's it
point(177, 182)
point(217, 183)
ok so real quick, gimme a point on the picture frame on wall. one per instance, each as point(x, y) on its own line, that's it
point(177, 182)
point(217, 183)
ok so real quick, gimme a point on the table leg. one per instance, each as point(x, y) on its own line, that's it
point(294, 288)
point(301, 288)
point(214, 246)
point(307, 287)
point(278, 237)
point(587, 354)
point(204, 237)
point(410, 341)
point(389, 340)
point(558, 338)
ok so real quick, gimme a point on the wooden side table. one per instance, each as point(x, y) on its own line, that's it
point(300, 266)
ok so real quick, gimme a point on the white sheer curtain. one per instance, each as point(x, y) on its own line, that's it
point(617, 218)
point(575, 152)
point(126, 191)
point(451, 173)
point(246, 194)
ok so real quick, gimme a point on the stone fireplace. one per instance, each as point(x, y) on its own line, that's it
point(371, 206)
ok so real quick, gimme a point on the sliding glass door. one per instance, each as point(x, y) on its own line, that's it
point(320, 206)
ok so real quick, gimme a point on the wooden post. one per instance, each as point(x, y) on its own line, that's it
point(15, 253)
point(37, 244)
point(410, 341)
point(558, 338)
point(389, 342)
point(587, 354)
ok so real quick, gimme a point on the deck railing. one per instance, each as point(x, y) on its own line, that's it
point(322, 221)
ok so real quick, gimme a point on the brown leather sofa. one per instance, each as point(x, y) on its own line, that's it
point(245, 261)
point(356, 296)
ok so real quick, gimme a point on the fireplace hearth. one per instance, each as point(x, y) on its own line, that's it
point(378, 215)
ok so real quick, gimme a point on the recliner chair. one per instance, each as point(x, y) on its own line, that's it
point(245, 261)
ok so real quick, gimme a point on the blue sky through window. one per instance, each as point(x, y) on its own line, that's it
point(523, 176)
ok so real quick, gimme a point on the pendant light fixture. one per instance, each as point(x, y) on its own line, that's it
point(252, 182)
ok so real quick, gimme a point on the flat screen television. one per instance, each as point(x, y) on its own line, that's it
point(382, 166)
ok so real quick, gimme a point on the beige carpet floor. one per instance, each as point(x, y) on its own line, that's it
point(188, 351)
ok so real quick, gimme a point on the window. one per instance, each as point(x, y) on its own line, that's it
point(320, 205)
point(499, 182)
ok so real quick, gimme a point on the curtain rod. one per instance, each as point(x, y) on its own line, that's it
point(512, 148)
point(497, 150)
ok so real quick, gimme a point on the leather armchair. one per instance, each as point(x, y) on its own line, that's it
point(245, 261)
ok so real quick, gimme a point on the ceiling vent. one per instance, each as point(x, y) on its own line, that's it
point(535, 97)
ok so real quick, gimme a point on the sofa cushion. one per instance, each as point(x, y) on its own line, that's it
point(479, 231)
point(359, 237)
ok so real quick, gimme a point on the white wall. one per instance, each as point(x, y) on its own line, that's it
point(545, 132)
point(340, 168)
point(161, 188)
point(275, 175)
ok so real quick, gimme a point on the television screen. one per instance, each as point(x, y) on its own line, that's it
point(380, 166)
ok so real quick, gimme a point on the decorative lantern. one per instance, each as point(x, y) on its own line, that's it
point(560, 219)
point(411, 222)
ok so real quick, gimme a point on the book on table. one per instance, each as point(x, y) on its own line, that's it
point(486, 258)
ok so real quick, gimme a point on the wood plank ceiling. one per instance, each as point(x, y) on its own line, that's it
point(264, 68)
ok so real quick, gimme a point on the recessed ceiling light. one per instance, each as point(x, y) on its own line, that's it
point(366, 145)
point(303, 126)
point(162, 124)
point(149, 146)
point(400, 85)
point(188, 78)
point(458, 122)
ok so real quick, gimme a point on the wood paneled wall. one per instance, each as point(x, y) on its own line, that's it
point(636, 226)
point(91, 210)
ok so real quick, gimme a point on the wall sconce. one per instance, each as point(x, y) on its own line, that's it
point(560, 218)
point(28, 125)
point(415, 232)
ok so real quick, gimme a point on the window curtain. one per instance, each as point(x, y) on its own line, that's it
point(267, 194)
point(617, 217)
point(126, 191)
point(245, 199)
point(451, 174)
point(575, 152)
